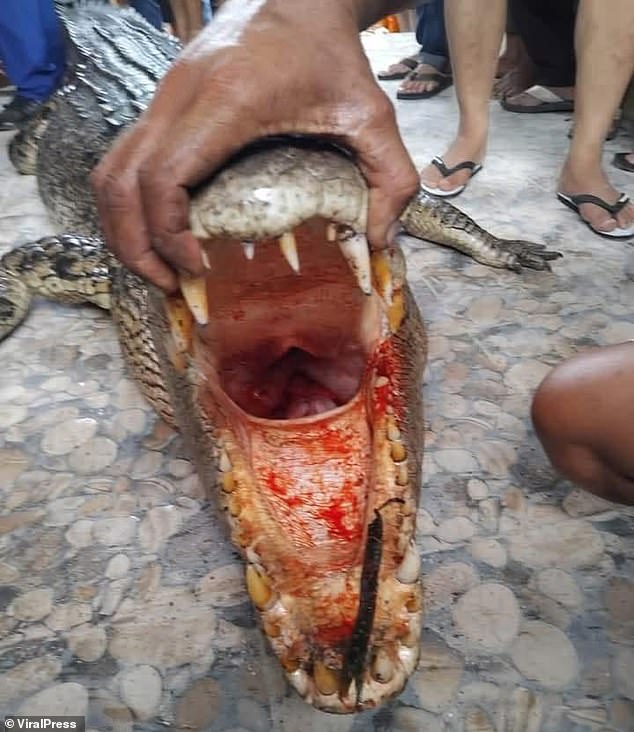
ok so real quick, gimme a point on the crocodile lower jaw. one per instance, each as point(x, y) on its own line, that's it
point(296, 371)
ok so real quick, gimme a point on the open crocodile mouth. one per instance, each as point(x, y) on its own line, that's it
point(295, 348)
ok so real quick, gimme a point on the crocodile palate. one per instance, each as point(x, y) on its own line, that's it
point(293, 368)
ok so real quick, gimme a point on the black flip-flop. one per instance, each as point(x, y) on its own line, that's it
point(548, 102)
point(439, 163)
point(443, 81)
point(410, 61)
point(573, 202)
point(620, 161)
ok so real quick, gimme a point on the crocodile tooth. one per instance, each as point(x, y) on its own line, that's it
point(258, 587)
point(299, 679)
point(355, 249)
point(396, 311)
point(225, 462)
point(249, 249)
point(180, 322)
point(382, 667)
point(393, 432)
point(194, 291)
point(398, 452)
point(402, 474)
point(409, 569)
point(326, 679)
point(288, 247)
point(383, 275)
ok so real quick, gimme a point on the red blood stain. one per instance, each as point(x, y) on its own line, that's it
point(274, 485)
point(335, 515)
point(331, 635)
point(333, 443)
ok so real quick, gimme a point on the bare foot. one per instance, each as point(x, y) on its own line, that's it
point(413, 84)
point(575, 182)
point(461, 150)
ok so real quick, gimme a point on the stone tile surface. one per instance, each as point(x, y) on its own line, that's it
point(119, 598)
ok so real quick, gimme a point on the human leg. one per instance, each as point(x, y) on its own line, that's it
point(431, 74)
point(547, 30)
point(31, 47)
point(474, 30)
point(605, 62)
point(583, 414)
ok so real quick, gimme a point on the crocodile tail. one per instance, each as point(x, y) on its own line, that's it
point(65, 268)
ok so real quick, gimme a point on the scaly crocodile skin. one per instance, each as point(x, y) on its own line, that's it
point(298, 393)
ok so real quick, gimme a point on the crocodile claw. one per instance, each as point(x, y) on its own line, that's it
point(529, 255)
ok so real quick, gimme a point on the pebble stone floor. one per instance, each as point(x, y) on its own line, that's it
point(120, 601)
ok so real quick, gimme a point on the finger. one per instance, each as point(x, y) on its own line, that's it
point(389, 172)
point(193, 153)
point(166, 211)
point(121, 213)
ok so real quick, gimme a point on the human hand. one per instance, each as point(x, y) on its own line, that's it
point(262, 67)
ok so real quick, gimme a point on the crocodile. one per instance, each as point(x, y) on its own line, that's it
point(292, 369)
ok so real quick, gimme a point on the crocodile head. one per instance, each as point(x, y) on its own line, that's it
point(295, 369)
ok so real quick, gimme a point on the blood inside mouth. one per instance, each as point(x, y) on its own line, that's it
point(284, 345)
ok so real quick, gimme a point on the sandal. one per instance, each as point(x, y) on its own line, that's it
point(439, 163)
point(410, 61)
point(621, 162)
point(443, 81)
point(548, 102)
point(573, 202)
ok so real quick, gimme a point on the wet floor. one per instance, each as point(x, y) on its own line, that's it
point(120, 600)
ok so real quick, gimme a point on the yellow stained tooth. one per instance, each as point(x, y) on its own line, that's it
point(204, 255)
point(288, 247)
point(194, 291)
point(258, 587)
point(398, 452)
point(382, 275)
point(382, 667)
point(402, 474)
point(180, 322)
point(228, 482)
point(326, 679)
point(396, 311)
point(331, 232)
point(355, 251)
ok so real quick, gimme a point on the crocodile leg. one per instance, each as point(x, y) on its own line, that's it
point(68, 269)
point(77, 269)
point(436, 220)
